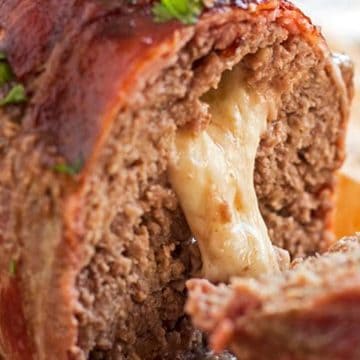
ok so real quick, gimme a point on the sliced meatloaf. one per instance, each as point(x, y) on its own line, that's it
point(98, 230)
point(309, 312)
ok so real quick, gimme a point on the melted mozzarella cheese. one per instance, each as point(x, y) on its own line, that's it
point(212, 173)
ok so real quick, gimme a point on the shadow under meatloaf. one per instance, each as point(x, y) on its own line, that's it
point(117, 228)
point(309, 312)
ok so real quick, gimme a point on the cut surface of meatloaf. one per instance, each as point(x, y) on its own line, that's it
point(311, 311)
point(95, 238)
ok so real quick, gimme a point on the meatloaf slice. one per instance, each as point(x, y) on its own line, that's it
point(311, 311)
point(96, 232)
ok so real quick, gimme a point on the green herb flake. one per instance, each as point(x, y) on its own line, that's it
point(12, 267)
point(187, 11)
point(70, 169)
point(16, 95)
point(6, 73)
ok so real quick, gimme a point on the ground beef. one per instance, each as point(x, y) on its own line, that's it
point(102, 256)
point(156, 248)
point(309, 312)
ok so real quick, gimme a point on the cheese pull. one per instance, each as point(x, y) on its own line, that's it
point(212, 172)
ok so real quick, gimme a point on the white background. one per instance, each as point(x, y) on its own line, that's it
point(337, 17)
point(340, 22)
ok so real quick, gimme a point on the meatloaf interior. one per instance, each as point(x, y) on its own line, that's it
point(140, 249)
point(137, 247)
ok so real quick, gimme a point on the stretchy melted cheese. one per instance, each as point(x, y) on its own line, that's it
point(212, 174)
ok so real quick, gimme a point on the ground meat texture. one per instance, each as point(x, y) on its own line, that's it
point(155, 238)
point(309, 312)
point(300, 153)
point(103, 256)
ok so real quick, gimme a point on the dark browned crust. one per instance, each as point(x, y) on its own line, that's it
point(115, 51)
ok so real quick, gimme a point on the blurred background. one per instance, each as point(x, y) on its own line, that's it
point(340, 23)
point(336, 17)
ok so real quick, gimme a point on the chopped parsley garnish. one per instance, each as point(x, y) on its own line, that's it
point(187, 11)
point(70, 169)
point(5, 73)
point(12, 267)
point(16, 95)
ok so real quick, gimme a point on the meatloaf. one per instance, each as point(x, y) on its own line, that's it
point(311, 311)
point(144, 143)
